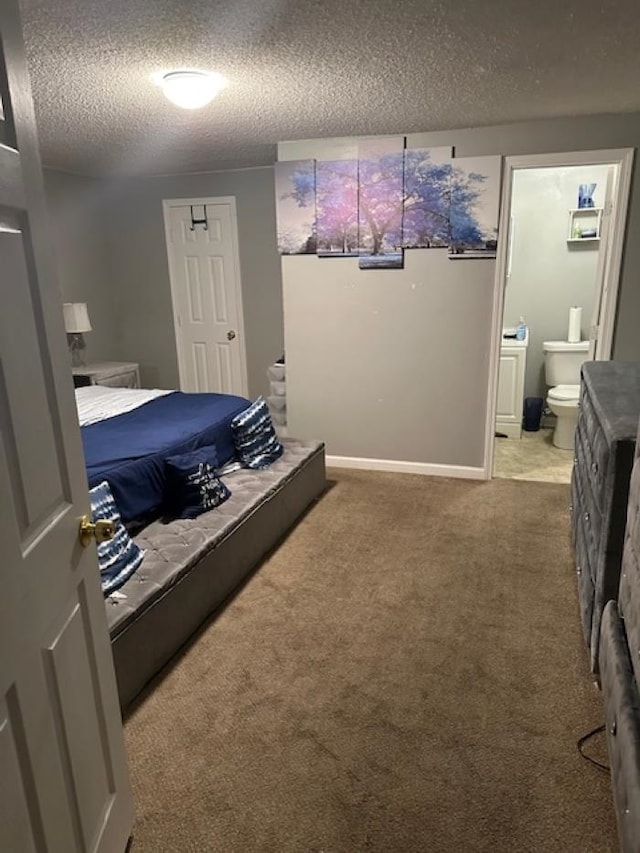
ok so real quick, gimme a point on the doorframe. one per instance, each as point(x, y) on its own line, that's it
point(623, 158)
point(230, 201)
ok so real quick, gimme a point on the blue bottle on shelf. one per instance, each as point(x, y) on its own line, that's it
point(521, 330)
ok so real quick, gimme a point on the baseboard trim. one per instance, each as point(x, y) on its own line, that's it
point(399, 467)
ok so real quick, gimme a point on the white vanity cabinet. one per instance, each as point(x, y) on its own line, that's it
point(513, 361)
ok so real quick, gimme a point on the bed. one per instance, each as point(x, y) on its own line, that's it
point(127, 433)
point(191, 566)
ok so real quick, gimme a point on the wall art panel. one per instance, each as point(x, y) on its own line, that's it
point(295, 182)
point(427, 198)
point(475, 206)
point(380, 203)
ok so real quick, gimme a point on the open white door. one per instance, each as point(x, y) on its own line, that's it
point(609, 260)
point(63, 776)
point(604, 305)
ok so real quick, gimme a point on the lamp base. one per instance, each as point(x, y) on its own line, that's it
point(76, 346)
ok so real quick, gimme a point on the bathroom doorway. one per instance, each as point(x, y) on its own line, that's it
point(557, 273)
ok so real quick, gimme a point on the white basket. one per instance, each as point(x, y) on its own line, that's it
point(278, 389)
point(278, 403)
point(279, 418)
point(276, 372)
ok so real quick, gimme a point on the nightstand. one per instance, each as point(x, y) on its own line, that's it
point(115, 374)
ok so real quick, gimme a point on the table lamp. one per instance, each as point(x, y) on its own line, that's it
point(76, 323)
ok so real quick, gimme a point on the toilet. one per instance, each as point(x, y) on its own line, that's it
point(562, 362)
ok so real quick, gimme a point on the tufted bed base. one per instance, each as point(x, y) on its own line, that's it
point(192, 567)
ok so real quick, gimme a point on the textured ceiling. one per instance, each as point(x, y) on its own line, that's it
point(312, 68)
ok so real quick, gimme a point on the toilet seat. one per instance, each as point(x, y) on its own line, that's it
point(565, 393)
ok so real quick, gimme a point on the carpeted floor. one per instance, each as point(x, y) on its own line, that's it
point(405, 673)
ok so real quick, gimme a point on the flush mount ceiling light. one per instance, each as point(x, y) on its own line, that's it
point(192, 89)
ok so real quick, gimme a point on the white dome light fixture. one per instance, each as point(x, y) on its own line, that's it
point(192, 90)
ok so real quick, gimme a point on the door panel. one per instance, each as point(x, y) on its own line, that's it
point(35, 466)
point(219, 288)
point(507, 386)
point(65, 784)
point(14, 808)
point(201, 380)
point(206, 297)
point(68, 662)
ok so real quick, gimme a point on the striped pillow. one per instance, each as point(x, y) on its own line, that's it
point(119, 557)
point(255, 438)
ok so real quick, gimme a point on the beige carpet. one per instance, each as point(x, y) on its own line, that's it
point(405, 673)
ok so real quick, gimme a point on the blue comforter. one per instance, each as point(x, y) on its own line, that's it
point(128, 450)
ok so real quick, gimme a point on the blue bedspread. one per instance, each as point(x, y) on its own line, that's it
point(128, 450)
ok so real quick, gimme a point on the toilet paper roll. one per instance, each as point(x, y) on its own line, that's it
point(575, 322)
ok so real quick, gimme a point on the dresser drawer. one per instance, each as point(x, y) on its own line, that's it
point(586, 589)
point(622, 722)
point(118, 380)
point(586, 506)
point(113, 374)
point(590, 421)
point(575, 507)
point(595, 454)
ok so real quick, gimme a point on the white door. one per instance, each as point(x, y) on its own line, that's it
point(63, 776)
point(207, 301)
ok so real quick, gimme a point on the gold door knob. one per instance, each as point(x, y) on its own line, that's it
point(231, 335)
point(101, 530)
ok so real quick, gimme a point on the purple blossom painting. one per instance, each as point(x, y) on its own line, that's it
point(475, 205)
point(380, 208)
point(384, 200)
point(296, 206)
point(427, 198)
point(337, 207)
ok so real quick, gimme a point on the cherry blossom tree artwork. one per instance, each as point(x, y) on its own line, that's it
point(475, 205)
point(337, 207)
point(427, 198)
point(380, 203)
point(387, 199)
point(295, 182)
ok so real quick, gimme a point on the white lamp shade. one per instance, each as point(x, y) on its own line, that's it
point(76, 317)
point(192, 89)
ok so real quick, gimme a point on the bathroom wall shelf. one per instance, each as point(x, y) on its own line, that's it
point(582, 219)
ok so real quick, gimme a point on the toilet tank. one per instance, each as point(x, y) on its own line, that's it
point(563, 360)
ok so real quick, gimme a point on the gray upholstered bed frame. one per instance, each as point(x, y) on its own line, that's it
point(192, 567)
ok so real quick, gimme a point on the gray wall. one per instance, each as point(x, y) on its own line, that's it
point(77, 218)
point(548, 274)
point(389, 364)
point(394, 364)
point(141, 274)
point(585, 133)
point(335, 315)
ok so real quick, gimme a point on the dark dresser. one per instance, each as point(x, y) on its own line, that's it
point(620, 678)
point(604, 450)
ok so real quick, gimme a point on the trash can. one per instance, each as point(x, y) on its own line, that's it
point(532, 413)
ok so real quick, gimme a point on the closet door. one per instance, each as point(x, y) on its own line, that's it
point(63, 776)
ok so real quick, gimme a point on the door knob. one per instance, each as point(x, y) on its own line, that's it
point(231, 335)
point(101, 531)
